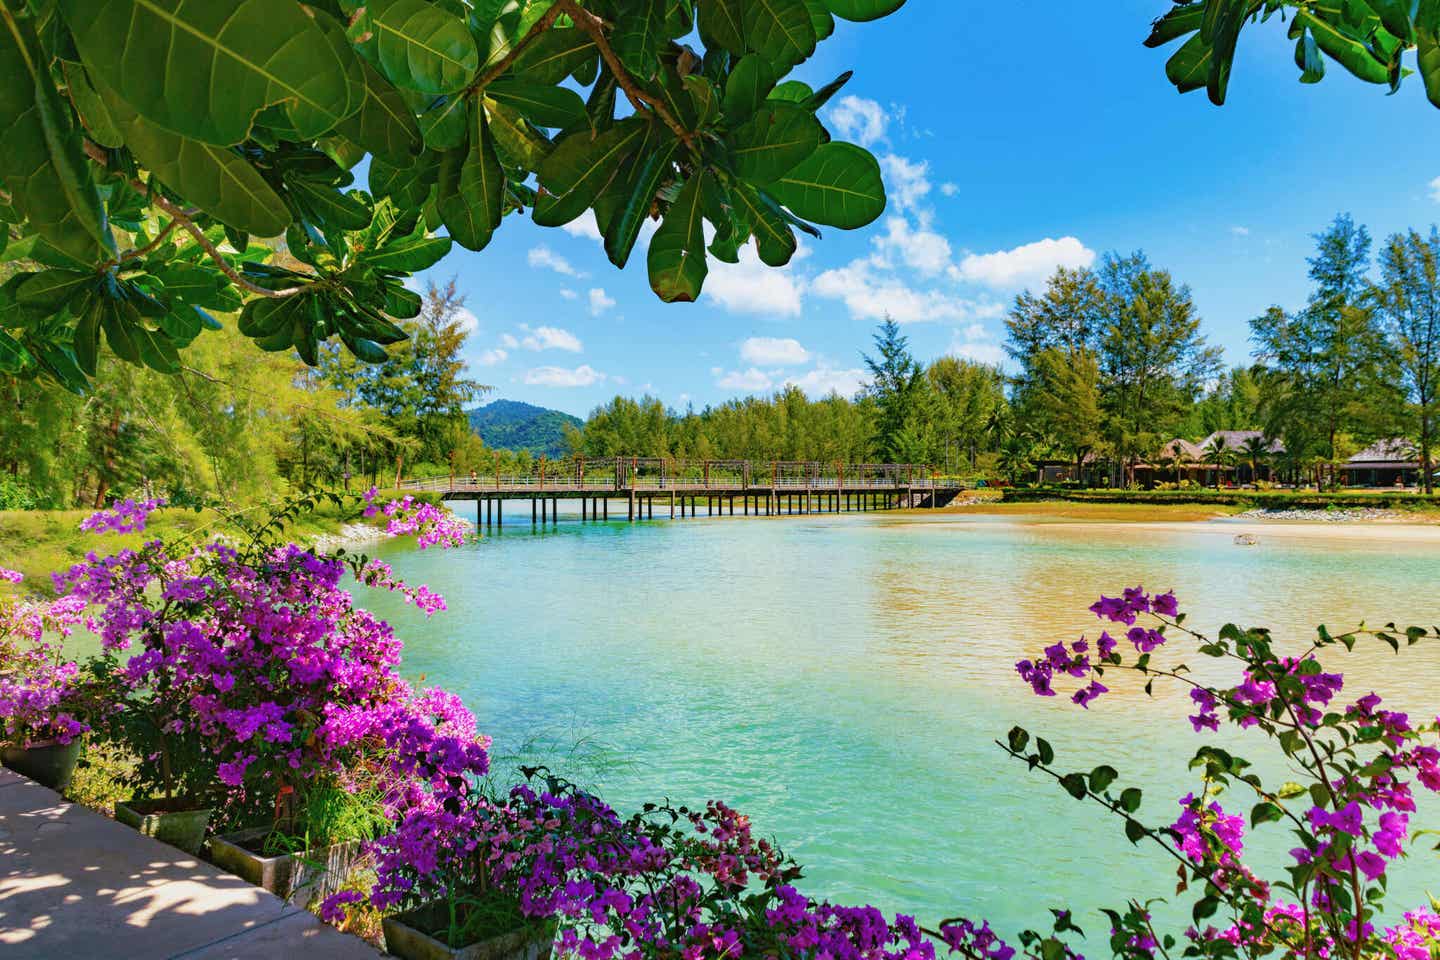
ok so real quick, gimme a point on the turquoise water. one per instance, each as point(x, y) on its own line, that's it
point(841, 679)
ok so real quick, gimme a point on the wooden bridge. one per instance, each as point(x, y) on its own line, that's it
point(716, 487)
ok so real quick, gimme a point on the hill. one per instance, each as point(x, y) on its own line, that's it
point(512, 425)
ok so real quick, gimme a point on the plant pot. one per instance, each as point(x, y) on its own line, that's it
point(48, 763)
point(179, 828)
point(405, 937)
point(299, 877)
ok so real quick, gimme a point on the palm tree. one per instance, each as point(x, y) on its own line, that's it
point(1014, 459)
point(1219, 452)
point(1256, 449)
point(1169, 461)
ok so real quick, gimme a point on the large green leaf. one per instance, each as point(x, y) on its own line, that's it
point(839, 184)
point(93, 114)
point(198, 286)
point(51, 289)
point(780, 30)
point(443, 121)
point(517, 142)
point(579, 168)
point(722, 25)
point(472, 188)
point(205, 68)
point(13, 355)
point(418, 45)
point(1427, 59)
point(750, 82)
point(1189, 67)
point(677, 251)
point(407, 186)
point(638, 29)
point(556, 55)
point(384, 125)
point(649, 171)
point(862, 10)
point(1349, 52)
point(42, 165)
point(1175, 24)
point(216, 179)
point(774, 140)
point(542, 104)
point(774, 240)
point(822, 19)
point(409, 254)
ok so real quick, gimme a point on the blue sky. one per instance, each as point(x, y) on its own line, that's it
point(1014, 137)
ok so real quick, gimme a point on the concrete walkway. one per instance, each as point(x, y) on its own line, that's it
point(74, 884)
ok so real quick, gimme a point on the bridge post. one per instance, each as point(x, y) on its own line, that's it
point(672, 505)
point(532, 511)
point(499, 512)
point(632, 505)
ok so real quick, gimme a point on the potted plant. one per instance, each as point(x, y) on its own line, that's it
point(174, 783)
point(43, 698)
point(311, 845)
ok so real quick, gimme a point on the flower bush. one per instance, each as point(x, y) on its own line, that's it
point(246, 671)
point(1357, 766)
point(42, 697)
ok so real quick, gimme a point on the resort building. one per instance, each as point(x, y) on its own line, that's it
point(1385, 463)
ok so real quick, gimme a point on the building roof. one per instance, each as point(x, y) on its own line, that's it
point(1235, 440)
point(1394, 452)
point(1180, 447)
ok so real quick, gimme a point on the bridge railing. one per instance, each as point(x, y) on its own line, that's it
point(592, 483)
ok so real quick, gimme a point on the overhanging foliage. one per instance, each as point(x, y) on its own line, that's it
point(144, 143)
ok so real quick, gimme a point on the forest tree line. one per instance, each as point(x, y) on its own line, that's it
point(1106, 365)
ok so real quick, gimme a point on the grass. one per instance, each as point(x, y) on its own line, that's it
point(41, 542)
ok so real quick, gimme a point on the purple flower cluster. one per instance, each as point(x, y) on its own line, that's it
point(128, 516)
point(265, 660)
point(1075, 660)
point(433, 525)
point(39, 696)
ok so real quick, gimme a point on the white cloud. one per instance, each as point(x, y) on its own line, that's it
point(582, 376)
point(774, 351)
point(825, 380)
point(583, 226)
point(949, 189)
point(1240, 231)
point(991, 353)
point(920, 248)
point(751, 287)
point(550, 338)
point(508, 341)
point(468, 321)
point(491, 357)
point(906, 181)
point(1030, 263)
point(751, 380)
point(858, 119)
point(975, 343)
point(543, 257)
point(870, 296)
point(599, 302)
point(568, 294)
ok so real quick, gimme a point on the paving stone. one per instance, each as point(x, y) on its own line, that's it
point(295, 935)
point(76, 884)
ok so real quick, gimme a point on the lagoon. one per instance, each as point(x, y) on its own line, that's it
point(841, 679)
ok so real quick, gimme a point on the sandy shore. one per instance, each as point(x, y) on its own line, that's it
point(1369, 525)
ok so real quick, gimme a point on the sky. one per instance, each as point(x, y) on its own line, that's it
point(1014, 138)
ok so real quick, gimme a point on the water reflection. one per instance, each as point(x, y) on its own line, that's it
point(841, 678)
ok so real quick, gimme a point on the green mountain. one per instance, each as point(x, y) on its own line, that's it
point(512, 425)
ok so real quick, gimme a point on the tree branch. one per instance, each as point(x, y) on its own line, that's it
point(198, 235)
point(595, 27)
point(503, 64)
point(183, 219)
